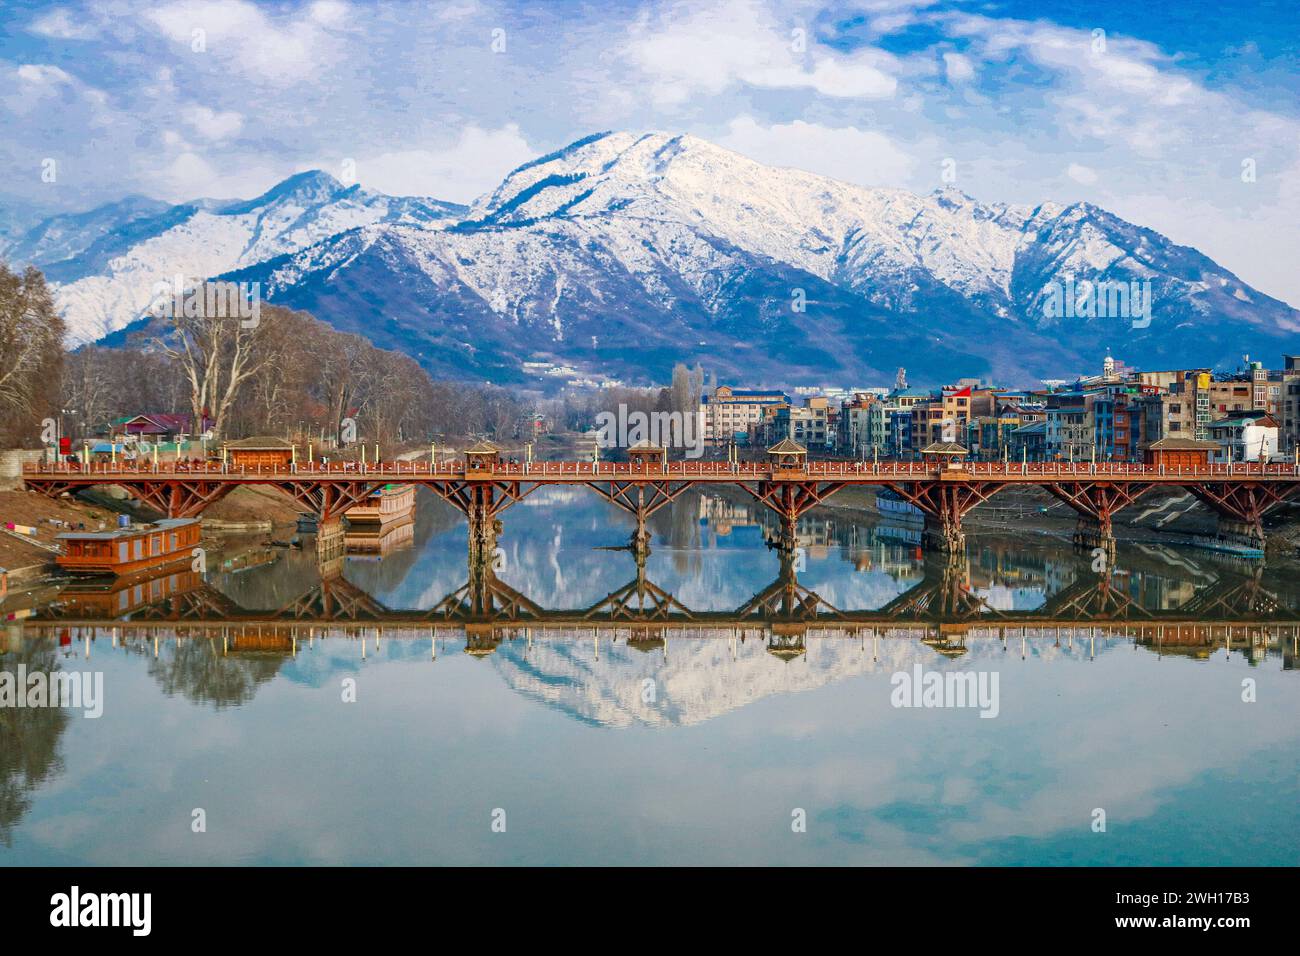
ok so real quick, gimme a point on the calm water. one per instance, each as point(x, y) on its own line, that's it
point(707, 741)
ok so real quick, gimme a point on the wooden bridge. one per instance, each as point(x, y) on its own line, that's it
point(481, 486)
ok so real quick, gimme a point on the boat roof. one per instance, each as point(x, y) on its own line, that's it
point(166, 524)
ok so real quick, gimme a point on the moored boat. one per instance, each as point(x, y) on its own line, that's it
point(389, 503)
point(129, 549)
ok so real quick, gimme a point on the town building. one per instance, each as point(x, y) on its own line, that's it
point(1248, 437)
point(1290, 402)
point(730, 414)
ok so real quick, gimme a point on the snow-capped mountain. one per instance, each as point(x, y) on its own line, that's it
point(623, 253)
point(106, 262)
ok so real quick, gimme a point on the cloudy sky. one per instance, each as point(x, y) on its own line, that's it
point(1186, 120)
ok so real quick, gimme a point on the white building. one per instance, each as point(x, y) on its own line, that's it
point(1245, 438)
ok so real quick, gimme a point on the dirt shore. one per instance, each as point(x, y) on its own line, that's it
point(31, 557)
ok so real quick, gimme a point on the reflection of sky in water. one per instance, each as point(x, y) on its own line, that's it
point(559, 731)
point(709, 771)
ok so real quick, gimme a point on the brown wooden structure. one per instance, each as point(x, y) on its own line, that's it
point(482, 486)
point(123, 551)
point(260, 452)
point(1186, 453)
point(787, 455)
point(648, 455)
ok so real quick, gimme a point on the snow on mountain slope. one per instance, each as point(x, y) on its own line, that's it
point(831, 229)
point(624, 253)
point(68, 235)
point(108, 280)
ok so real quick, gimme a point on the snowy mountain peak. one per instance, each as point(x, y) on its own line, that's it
point(312, 187)
point(107, 262)
point(625, 252)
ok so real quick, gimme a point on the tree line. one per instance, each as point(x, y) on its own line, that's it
point(286, 374)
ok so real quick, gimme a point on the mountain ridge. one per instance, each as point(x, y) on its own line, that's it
point(623, 253)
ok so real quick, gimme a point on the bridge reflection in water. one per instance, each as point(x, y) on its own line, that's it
point(1237, 612)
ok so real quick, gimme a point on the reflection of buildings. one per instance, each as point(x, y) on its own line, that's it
point(721, 515)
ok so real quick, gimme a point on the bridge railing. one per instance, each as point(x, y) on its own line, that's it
point(682, 469)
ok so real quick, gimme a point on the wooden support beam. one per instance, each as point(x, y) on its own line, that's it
point(944, 503)
point(1243, 503)
point(329, 499)
point(1096, 503)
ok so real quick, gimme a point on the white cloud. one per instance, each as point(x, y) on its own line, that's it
point(460, 172)
point(245, 37)
point(58, 23)
point(958, 67)
point(212, 124)
point(42, 75)
point(190, 175)
point(329, 12)
point(851, 155)
point(689, 51)
point(1085, 175)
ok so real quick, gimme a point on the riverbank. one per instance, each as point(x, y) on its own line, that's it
point(28, 559)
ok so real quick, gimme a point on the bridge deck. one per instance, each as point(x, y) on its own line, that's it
point(720, 472)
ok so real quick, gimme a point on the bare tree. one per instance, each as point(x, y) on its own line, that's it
point(217, 355)
point(31, 353)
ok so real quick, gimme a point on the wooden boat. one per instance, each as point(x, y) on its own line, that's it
point(131, 549)
point(389, 503)
point(380, 539)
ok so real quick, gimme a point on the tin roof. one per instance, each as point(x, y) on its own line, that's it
point(166, 524)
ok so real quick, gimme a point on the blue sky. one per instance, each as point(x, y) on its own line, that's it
point(1148, 111)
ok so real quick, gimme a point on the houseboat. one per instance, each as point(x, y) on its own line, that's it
point(390, 503)
point(379, 540)
point(129, 549)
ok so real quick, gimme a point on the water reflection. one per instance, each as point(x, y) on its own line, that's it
point(766, 676)
point(29, 737)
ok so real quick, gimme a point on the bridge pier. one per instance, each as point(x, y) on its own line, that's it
point(943, 503)
point(484, 527)
point(790, 500)
point(640, 499)
point(481, 502)
point(944, 593)
point(1241, 506)
point(1096, 503)
point(331, 548)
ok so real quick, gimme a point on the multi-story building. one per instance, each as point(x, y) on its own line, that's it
point(900, 431)
point(991, 435)
point(1196, 398)
point(1290, 412)
point(729, 413)
point(943, 417)
point(1029, 442)
point(863, 427)
point(1249, 437)
point(808, 424)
